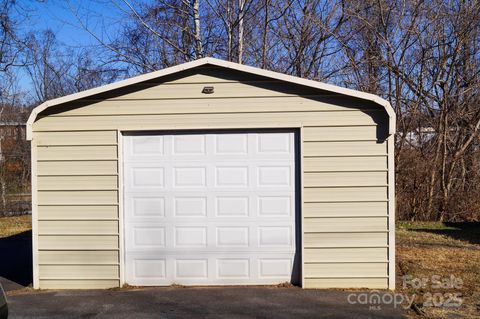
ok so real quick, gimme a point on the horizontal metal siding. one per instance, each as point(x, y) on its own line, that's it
point(345, 164)
point(77, 212)
point(87, 257)
point(342, 239)
point(95, 152)
point(344, 209)
point(322, 194)
point(213, 120)
point(217, 105)
point(79, 242)
point(78, 227)
point(351, 133)
point(78, 231)
point(76, 138)
point(339, 282)
point(78, 197)
point(79, 272)
point(194, 91)
point(344, 175)
point(339, 179)
point(106, 182)
point(344, 254)
point(352, 270)
point(68, 168)
point(78, 284)
point(350, 224)
point(348, 148)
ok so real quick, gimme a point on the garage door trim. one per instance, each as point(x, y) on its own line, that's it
point(298, 185)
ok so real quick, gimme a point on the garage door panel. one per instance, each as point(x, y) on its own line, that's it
point(211, 236)
point(273, 143)
point(145, 146)
point(232, 206)
point(201, 205)
point(228, 144)
point(143, 206)
point(202, 269)
point(190, 206)
point(209, 208)
point(147, 269)
point(217, 147)
point(276, 205)
point(143, 237)
point(221, 176)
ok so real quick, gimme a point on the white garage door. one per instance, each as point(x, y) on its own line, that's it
point(209, 209)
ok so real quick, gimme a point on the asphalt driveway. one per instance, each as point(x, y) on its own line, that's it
point(225, 302)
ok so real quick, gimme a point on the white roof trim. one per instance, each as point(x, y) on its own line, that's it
point(220, 63)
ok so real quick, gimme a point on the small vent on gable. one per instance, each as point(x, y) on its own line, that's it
point(207, 90)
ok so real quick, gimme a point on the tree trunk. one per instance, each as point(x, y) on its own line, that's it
point(198, 35)
point(241, 13)
point(265, 34)
point(433, 172)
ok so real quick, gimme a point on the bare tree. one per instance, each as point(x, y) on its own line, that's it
point(10, 61)
point(154, 34)
point(422, 56)
point(56, 70)
point(307, 37)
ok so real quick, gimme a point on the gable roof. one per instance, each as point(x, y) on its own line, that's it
point(220, 63)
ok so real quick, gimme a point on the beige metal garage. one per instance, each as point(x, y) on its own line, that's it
point(213, 173)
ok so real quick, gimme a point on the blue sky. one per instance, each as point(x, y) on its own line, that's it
point(60, 17)
point(65, 18)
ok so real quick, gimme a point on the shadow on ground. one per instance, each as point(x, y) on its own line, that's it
point(16, 260)
point(468, 231)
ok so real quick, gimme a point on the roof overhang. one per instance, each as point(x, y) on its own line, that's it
point(216, 62)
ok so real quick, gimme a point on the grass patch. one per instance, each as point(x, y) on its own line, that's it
point(425, 249)
point(13, 225)
point(407, 225)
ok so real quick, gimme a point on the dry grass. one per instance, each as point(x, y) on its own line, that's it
point(427, 249)
point(13, 225)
